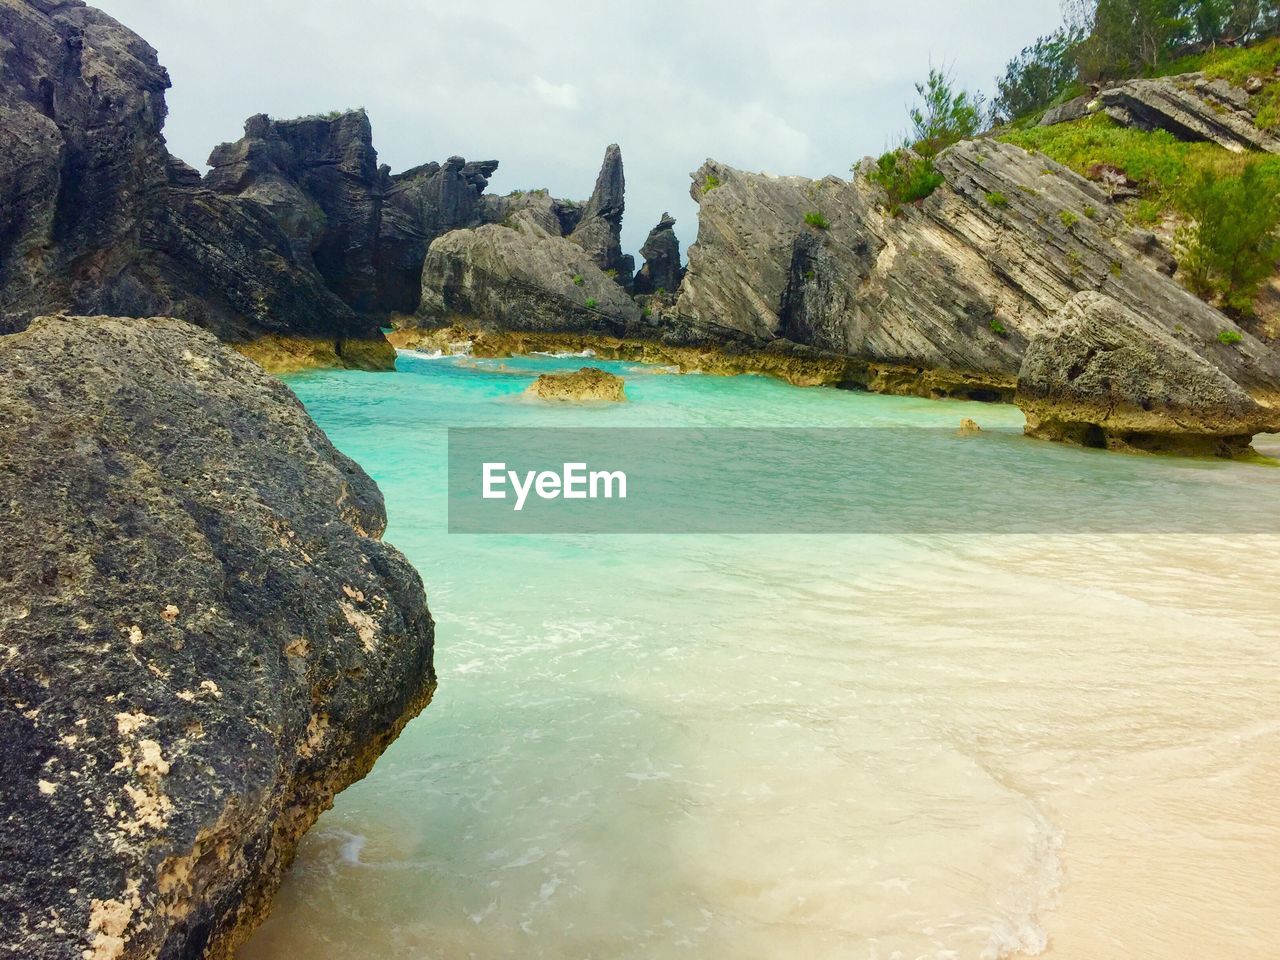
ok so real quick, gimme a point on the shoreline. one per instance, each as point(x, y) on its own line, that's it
point(794, 364)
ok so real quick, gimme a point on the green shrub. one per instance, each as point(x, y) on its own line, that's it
point(611, 273)
point(815, 219)
point(661, 291)
point(997, 327)
point(710, 183)
point(1230, 246)
point(578, 280)
point(945, 115)
point(905, 177)
point(592, 303)
point(1068, 218)
point(997, 199)
point(1230, 337)
point(1091, 212)
point(1038, 76)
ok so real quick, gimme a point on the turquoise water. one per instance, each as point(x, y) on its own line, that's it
point(766, 746)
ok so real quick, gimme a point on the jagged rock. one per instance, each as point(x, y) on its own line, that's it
point(421, 204)
point(1106, 377)
point(969, 427)
point(661, 251)
point(204, 638)
point(1191, 108)
point(520, 276)
point(81, 106)
point(957, 287)
point(599, 229)
point(97, 217)
point(1076, 109)
point(319, 177)
point(588, 385)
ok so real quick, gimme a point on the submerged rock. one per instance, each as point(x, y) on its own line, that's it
point(1191, 108)
point(1107, 377)
point(589, 384)
point(204, 638)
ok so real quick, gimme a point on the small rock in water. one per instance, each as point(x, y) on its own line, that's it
point(969, 427)
point(588, 384)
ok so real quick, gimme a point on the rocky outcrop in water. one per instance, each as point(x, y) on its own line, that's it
point(1190, 107)
point(588, 385)
point(599, 229)
point(662, 270)
point(1106, 377)
point(954, 289)
point(204, 638)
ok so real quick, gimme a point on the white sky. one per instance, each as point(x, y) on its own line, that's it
point(789, 86)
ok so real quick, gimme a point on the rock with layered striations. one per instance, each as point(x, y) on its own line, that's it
point(588, 385)
point(1191, 108)
point(97, 217)
point(599, 231)
point(205, 638)
point(953, 289)
point(661, 251)
point(519, 276)
point(1106, 377)
point(1075, 109)
point(319, 178)
point(421, 204)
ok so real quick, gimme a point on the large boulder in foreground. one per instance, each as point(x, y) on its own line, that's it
point(204, 638)
point(1106, 377)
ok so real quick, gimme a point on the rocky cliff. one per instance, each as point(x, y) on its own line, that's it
point(956, 288)
point(204, 638)
point(98, 218)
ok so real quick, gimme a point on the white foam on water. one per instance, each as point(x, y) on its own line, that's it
point(421, 354)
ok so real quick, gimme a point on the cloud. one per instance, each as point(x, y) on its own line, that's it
point(564, 95)
point(791, 86)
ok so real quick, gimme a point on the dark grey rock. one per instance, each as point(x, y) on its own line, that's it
point(203, 638)
point(599, 227)
point(662, 269)
point(1076, 109)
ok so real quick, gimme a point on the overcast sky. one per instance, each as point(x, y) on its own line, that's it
point(788, 86)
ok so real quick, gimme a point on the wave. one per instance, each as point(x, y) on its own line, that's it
point(421, 354)
point(588, 352)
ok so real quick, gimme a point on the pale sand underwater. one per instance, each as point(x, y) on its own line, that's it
point(974, 746)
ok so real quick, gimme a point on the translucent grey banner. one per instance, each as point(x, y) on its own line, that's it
point(884, 480)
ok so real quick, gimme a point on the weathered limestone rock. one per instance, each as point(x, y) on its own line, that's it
point(97, 217)
point(969, 427)
point(1106, 377)
point(661, 251)
point(203, 638)
point(1191, 108)
point(957, 286)
point(588, 385)
point(599, 231)
point(519, 276)
point(319, 178)
point(421, 204)
point(1076, 109)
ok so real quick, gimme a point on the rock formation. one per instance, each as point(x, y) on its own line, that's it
point(98, 217)
point(522, 276)
point(1191, 108)
point(420, 205)
point(588, 385)
point(661, 251)
point(204, 638)
point(599, 231)
point(953, 290)
point(1106, 377)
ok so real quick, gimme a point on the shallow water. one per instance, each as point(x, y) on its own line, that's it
point(830, 747)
